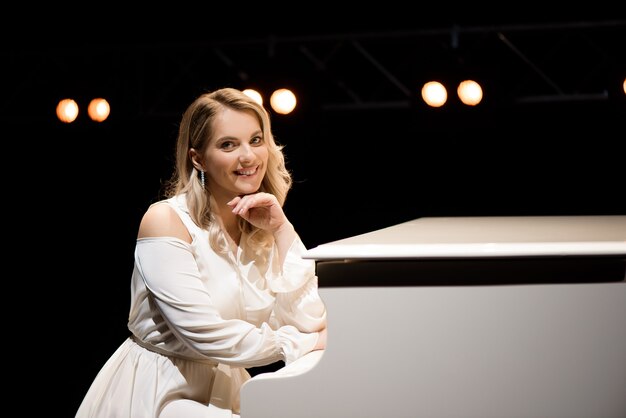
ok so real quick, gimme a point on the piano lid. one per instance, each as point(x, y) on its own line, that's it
point(499, 236)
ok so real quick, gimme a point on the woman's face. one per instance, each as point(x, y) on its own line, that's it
point(236, 157)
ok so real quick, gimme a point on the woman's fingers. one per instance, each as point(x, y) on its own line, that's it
point(241, 204)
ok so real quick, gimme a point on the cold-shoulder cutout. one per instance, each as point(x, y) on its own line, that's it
point(161, 220)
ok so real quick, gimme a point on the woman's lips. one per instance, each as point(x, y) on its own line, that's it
point(247, 171)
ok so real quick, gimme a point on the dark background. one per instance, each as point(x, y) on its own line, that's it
point(364, 151)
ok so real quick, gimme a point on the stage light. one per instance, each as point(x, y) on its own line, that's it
point(255, 95)
point(470, 92)
point(283, 101)
point(434, 94)
point(67, 110)
point(98, 110)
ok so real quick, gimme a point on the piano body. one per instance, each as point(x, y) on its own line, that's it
point(464, 317)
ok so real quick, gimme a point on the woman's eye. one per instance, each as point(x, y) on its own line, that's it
point(227, 145)
point(257, 140)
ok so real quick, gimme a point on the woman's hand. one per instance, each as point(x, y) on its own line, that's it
point(261, 210)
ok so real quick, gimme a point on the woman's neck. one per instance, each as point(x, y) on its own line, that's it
point(230, 222)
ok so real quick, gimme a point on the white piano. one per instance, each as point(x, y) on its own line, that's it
point(464, 317)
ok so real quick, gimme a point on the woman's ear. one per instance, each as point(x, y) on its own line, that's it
point(195, 159)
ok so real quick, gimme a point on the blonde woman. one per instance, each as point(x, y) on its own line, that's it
point(218, 284)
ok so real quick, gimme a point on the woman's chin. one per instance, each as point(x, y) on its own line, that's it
point(247, 188)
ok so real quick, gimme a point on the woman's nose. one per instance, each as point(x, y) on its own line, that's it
point(246, 154)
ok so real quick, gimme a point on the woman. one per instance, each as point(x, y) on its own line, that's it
point(218, 283)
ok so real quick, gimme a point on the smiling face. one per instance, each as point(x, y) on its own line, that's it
point(235, 160)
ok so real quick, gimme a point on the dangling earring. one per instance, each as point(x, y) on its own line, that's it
point(202, 178)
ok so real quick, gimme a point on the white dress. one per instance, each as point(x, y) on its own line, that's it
point(197, 320)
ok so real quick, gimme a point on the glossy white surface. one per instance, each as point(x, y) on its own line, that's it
point(484, 237)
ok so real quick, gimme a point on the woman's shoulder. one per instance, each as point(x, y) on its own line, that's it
point(162, 219)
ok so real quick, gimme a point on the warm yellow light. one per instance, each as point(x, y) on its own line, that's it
point(434, 94)
point(67, 110)
point(624, 85)
point(255, 95)
point(470, 92)
point(98, 110)
point(283, 101)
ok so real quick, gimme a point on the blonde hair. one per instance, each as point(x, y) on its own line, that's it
point(195, 131)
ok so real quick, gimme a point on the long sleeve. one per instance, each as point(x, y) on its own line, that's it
point(187, 311)
point(295, 284)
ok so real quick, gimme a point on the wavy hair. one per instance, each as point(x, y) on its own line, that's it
point(195, 131)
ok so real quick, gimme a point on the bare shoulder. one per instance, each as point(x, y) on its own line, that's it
point(161, 220)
